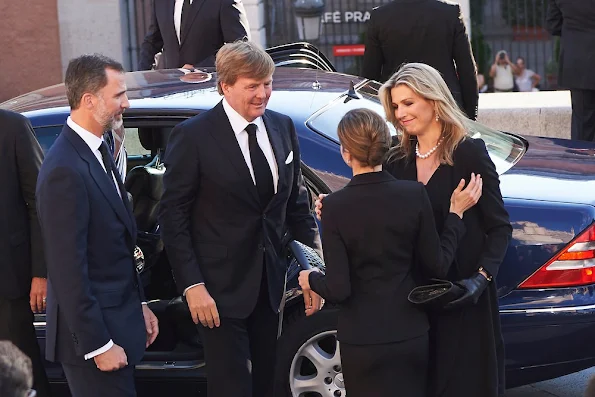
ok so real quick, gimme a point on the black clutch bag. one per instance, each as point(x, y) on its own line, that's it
point(435, 295)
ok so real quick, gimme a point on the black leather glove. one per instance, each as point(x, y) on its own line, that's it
point(474, 287)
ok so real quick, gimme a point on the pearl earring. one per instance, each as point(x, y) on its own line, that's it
point(437, 117)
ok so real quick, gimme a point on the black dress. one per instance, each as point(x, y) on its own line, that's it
point(466, 345)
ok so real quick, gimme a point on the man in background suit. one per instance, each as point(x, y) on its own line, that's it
point(191, 31)
point(233, 187)
point(22, 265)
point(574, 22)
point(426, 31)
point(96, 326)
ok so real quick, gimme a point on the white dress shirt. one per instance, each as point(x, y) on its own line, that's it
point(238, 125)
point(178, 17)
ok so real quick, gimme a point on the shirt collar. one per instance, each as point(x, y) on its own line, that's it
point(237, 121)
point(93, 141)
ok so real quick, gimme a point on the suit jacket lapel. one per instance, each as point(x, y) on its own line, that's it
point(225, 137)
point(189, 19)
point(276, 139)
point(103, 181)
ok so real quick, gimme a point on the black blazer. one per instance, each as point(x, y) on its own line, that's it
point(373, 230)
point(427, 31)
point(574, 22)
point(212, 23)
point(89, 235)
point(21, 253)
point(212, 223)
point(488, 225)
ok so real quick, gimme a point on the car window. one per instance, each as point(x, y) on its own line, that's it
point(132, 143)
point(47, 135)
point(505, 150)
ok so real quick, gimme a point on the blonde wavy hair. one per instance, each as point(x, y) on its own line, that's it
point(426, 82)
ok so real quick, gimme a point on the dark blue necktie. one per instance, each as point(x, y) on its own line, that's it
point(260, 166)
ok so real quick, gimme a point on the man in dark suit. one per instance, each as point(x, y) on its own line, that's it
point(191, 31)
point(96, 326)
point(233, 187)
point(574, 22)
point(426, 31)
point(22, 265)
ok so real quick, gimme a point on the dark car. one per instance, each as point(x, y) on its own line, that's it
point(546, 284)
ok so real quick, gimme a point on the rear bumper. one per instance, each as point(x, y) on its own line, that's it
point(545, 343)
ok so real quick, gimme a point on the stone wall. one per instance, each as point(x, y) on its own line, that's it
point(546, 113)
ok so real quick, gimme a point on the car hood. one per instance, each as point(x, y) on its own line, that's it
point(552, 169)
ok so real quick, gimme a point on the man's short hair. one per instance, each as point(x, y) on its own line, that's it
point(16, 373)
point(87, 74)
point(242, 59)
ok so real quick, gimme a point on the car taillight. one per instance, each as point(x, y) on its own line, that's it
point(573, 266)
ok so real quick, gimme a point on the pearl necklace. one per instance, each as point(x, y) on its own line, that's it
point(428, 154)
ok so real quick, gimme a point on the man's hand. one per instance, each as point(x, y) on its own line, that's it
point(112, 360)
point(151, 324)
point(37, 296)
point(318, 206)
point(202, 306)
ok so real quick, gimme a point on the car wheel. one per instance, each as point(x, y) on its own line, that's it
point(309, 361)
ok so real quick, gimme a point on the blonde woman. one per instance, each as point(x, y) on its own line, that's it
point(467, 353)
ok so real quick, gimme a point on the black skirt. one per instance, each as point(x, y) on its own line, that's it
point(388, 369)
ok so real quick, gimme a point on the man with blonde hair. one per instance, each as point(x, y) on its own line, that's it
point(233, 187)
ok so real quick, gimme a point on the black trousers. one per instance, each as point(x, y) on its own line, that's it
point(16, 325)
point(240, 353)
point(583, 115)
point(387, 369)
point(89, 381)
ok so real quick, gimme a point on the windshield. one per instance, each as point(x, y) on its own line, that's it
point(505, 150)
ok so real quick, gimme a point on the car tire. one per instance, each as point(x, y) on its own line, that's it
point(308, 355)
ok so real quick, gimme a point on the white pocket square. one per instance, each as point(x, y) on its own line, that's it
point(289, 158)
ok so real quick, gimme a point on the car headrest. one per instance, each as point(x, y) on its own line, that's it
point(153, 139)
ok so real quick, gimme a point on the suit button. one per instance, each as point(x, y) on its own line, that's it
point(264, 217)
point(260, 246)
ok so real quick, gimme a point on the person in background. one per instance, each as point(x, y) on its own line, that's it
point(23, 273)
point(369, 260)
point(574, 22)
point(16, 375)
point(526, 79)
point(502, 72)
point(189, 32)
point(431, 32)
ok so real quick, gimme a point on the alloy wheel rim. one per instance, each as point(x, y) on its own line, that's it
point(316, 368)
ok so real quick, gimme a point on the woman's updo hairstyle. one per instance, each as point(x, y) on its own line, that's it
point(365, 135)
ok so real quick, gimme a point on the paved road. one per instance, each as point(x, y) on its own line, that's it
point(566, 386)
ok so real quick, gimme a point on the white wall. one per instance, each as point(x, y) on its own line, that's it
point(91, 26)
point(256, 20)
point(465, 8)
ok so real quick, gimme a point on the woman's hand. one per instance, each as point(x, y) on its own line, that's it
point(318, 206)
point(463, 199)
point(303, 279)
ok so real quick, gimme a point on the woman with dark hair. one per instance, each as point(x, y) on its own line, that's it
point(370, 262)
